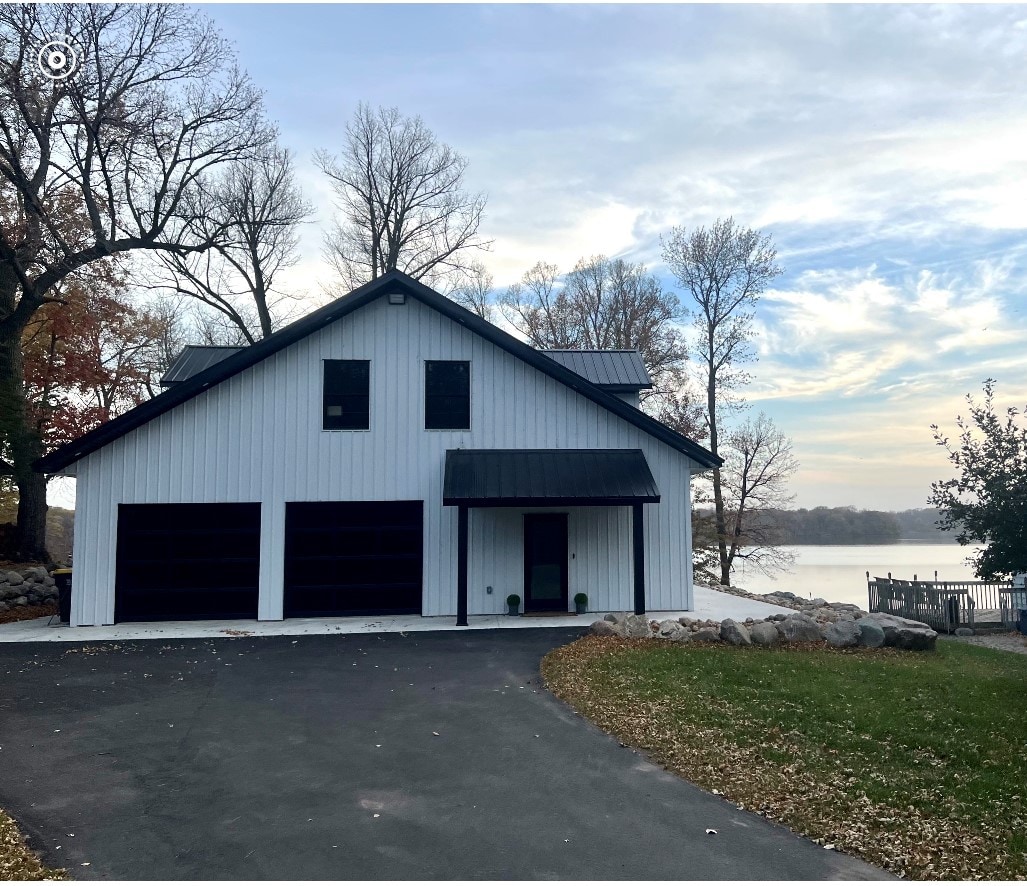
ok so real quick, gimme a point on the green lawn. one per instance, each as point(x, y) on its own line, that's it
point(915, 761)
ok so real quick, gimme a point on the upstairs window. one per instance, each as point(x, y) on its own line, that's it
point(447, 395)
point(347, 395)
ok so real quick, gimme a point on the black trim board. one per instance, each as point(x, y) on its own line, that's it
point(391, 282)
point(549, 502)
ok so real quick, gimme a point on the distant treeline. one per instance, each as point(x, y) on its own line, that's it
point(848, 526)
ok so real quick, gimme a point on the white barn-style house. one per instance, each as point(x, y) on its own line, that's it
point(389, 453)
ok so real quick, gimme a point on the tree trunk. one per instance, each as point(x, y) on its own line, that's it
point(718, 500)
point(22, 441)
point(718, 493)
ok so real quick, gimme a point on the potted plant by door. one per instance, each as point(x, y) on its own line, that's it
point(580, 603)
point(513, 605)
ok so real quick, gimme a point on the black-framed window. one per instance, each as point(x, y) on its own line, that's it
point(347, 395)
point(447, 395)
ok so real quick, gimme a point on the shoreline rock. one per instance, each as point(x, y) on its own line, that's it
point(840, 625)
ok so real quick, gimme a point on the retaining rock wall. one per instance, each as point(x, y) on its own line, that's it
point(29, 587)
point(836, 624)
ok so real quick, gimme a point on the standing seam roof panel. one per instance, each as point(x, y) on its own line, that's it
point(621, 368)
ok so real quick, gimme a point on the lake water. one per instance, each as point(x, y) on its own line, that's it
point(838, 572)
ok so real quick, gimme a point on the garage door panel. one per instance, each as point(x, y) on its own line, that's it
point(187, 561)
point(347, 558)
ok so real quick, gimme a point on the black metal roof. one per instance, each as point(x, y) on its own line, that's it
point(194, 359)
point(527, 477)
point(616, 370)
point(392, 282)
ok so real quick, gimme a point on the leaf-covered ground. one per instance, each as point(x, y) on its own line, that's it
point(916, 762)
point(17, 861)
point(21, 613)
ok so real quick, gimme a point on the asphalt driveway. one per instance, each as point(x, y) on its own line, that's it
point(425, 756)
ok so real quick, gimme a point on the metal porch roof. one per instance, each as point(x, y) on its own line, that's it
point(527, 477)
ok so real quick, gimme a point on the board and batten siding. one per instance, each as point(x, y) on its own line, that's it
point(257, 437)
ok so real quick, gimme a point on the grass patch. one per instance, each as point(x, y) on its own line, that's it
point(913, 761)
point(17, 861)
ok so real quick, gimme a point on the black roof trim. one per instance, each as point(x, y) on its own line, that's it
point(294, 332)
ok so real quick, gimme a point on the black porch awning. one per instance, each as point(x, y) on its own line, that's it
point(554, 477)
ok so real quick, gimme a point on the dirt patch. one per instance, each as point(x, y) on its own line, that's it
point(21, 613)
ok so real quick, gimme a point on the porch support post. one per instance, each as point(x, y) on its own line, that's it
point(461, 568)
point(638, 534)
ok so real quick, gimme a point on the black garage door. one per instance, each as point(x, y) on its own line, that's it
point(353, 558)
point(187, 561)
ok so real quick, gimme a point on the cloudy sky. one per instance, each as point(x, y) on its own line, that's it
point(884, 148)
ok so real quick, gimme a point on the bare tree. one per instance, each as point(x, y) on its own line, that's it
point(259, 211)
point(171, 336)
point(603, 304)
point(107, 148)
point(758, 464)
point(401, 198)
point(215, 329)
point(473, 290)
point(684, 413)
point(724, 270)
point(538, 308)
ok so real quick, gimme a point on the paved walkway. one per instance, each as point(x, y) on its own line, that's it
point(1011, 642)
point(388, 757)
point(709, 604)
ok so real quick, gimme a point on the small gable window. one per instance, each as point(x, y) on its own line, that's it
point(447, 395)
point(347, 399)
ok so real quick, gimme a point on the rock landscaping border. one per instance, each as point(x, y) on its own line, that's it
point(837, 624)
point(33, 586)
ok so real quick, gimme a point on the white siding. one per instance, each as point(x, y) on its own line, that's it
point(257, 437)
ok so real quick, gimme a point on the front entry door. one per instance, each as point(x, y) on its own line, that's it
point(545, 562)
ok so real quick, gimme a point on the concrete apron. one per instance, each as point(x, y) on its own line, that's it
point(709, 604)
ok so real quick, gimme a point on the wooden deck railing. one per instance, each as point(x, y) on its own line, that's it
point(944, 605)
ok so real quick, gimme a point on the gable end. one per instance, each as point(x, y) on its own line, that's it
point(392, 282)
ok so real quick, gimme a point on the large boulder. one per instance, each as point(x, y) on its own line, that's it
point(637, 626)
point(842, 633)
point(605, 629)
point(734, 633)
point(763, 633)
point(799, 628)
point(12, 578)
point(669, 629)
point(871, 634)
point(706, 635)
point(904, 633)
